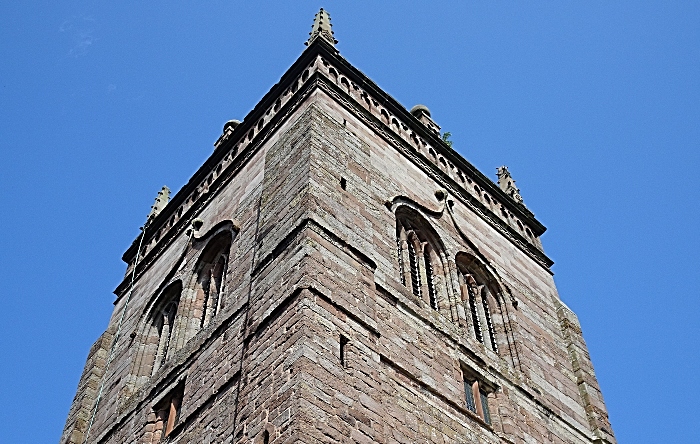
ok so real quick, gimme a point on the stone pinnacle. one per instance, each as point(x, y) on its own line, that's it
point(322, 28)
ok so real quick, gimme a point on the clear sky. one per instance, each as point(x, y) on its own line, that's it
point(594, 106)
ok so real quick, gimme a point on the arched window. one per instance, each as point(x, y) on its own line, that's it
point(160, 330)
point(420, 261)
point(210, 282)
point(210, 278)
point(479, 299)
point(179, 312)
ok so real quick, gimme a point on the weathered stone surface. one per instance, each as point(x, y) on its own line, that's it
point(313, 331)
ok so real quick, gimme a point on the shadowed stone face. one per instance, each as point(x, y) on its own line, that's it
point(336, 273)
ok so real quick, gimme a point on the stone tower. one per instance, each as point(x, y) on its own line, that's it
point(335, 272)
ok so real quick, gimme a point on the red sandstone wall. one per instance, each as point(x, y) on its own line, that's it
point(312, 262)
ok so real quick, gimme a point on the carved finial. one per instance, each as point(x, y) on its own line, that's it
point(322, 28)
point(507, 184)
point(161, 201)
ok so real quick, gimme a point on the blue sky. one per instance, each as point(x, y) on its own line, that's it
point(594, 106)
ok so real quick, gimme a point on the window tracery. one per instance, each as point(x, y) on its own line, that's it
point(177, 313)
point(161, 329)
point(417, 247)
point(210, 278)
point(478, 296)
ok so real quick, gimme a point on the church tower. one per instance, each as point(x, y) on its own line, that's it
point(336, 272)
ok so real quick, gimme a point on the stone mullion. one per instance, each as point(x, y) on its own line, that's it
point(472, 305)
point(160, 351)
point(485, 333)
point(431, 273)
point(214, 297)
point(167, 335)
point(209, 296)
point(425, 292)
point(221, 283)
point(414, 254)
point(500, 324)
point(404, 264)
point(477, 399)
point(215, 284)
point(402, 254)
point(465, 313)
point(205, 289)
point(488, 315)
point(174, 406)
point(449, 273)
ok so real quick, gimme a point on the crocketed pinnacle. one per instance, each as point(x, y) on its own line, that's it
point(322, 28)
point(507, 184)
point(161, 201)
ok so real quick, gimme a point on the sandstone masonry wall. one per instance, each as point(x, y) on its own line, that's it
point(316, 337)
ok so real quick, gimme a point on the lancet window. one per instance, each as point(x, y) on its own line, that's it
point(210, 278)
point(420, 261)
point(161, 329)
point(479, 300)
point(178, 313)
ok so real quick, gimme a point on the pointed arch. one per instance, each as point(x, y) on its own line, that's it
point(420, 255)
point(177, 310)
point(480, 297)
point(210, 278)
point(159, 332)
